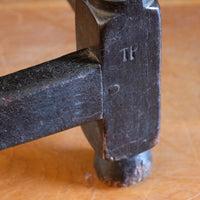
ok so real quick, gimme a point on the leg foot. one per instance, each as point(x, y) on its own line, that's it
point(124, 172)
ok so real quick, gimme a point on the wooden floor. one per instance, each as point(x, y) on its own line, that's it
point(60, 167)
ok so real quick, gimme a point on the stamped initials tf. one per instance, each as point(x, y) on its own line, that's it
point(128, 53)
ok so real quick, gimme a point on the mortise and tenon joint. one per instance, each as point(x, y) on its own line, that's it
point(110, 86)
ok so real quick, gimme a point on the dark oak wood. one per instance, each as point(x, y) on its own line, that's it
point(49, 98)
point(61, 166)
point(123, 94)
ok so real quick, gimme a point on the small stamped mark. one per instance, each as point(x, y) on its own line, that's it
point(128, 53)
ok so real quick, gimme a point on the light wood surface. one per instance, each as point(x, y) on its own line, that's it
point(61, 166)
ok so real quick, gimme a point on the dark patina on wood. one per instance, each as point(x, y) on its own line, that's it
point(111, 87)
point(126, 38)
point(49, 98)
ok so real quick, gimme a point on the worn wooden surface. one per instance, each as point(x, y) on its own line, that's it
point(61, 166)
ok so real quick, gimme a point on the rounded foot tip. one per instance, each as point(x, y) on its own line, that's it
point(124, 173)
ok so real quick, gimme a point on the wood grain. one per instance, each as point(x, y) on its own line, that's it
point(61, 166)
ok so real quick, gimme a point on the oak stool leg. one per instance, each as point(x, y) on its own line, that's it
point(125, 35)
